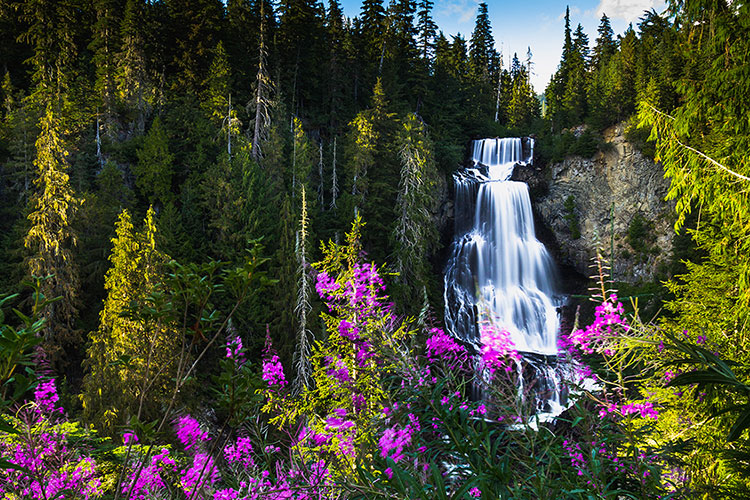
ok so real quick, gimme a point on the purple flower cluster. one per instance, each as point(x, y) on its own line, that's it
point(361, 292)
point(394, 440)
point(200, 475)
point(235, 350)
point(645, 409)
point(337, 369)
point(189, 432)
point(240, 453)
point(48, 467)
point(442, 347)
point(273, 372)
point(498, 350)
point(46, 398)
point(608, 323)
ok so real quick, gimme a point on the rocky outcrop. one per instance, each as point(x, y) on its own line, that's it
point(614, 199)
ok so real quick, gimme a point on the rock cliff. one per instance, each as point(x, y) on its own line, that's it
point(615, 198)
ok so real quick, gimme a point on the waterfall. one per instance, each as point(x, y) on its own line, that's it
point(497, 265)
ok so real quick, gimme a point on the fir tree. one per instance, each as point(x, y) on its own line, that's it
point(130, 362)
point(262, 119)
point(414, 233)
point(51, 237)
point(133, 86)
point(605, 45)
point(154, 169)
point(426, 30)
point(482, 54)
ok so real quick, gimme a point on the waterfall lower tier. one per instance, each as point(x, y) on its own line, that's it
point(498, 271)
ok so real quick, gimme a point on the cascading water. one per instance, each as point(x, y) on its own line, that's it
point(497, 265)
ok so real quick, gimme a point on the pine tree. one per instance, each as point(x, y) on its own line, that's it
point(130, 362)
point(52, 28)
point(196, 24)
point(303, 157)
point(154, 169)
point(218, 87)
point(51, 237)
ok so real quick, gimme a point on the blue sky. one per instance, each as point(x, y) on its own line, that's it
point(538, 24)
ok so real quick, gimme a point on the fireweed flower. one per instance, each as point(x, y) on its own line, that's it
point(202, 473)
point(475, 492)
point(393, 441)
point(235, 350)
point(46, 398)
point(129, 438)
point(498, 350)
point(150, 481)
point(608, 323)
point(273, 372)
point(189, 431)
point(240, 453)
point(443, 347)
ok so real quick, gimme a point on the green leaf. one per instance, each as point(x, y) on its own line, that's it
point(742, 423)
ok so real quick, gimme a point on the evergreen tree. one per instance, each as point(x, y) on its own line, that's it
point(130, 362)
point(263, 88)
point(414, 234)
point(426, 30)
point(105, 45)
point(133, 86)
point(605, 45)
point(218, 88)
point(302, 306)
point(50, 238)
point(300, 43)
point(196, 26)
point(154, 169)
point(574, 99)
point(482, 54)
point(52, 27)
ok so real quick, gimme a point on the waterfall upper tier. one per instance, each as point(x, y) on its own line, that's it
point(494, 159)
point(498, 269)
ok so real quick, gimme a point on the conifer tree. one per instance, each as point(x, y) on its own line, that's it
point(131, 78)
point(414, 233)
point(303, 157)
point(302, 306)
point(154, 169)
point(130, 362)
point(426, 30)
point(605, 45)
point(218, 88)
point(105, 45)
point(196, 24)
point(482, 54)
point(263, 88)
point(51, 237)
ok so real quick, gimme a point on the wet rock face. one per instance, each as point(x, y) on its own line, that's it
point(615, 200)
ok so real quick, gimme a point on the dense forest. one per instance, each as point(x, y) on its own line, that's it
point(199, 196)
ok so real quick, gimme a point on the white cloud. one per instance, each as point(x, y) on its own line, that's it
point(462, 11)
point(627, 10)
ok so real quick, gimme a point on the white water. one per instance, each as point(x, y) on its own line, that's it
point(497, 263)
